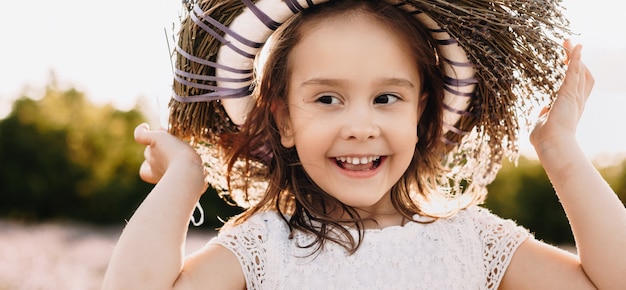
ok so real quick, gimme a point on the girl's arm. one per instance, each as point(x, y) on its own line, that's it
point(596, 215)
point(150, 251)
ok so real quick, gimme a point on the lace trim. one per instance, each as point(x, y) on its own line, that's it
point(500, 241)
point(472, 238)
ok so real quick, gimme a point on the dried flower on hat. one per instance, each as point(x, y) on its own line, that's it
point(501, 58)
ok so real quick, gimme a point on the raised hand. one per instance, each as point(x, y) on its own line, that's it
point(559, 122)
point(163, 150)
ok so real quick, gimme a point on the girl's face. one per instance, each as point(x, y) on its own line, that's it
point(353, 96)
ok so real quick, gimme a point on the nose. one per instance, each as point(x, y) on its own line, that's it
point(360, 125)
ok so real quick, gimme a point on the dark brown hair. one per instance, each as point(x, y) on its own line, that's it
point(290, 191)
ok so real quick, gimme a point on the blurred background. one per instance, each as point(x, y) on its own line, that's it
point(76, 77)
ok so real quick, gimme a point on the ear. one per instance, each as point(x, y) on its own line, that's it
point(286, 134)
point(283, 122)
point(421, 106)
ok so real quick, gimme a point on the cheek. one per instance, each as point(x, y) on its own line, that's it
point(405, 122)
point(403, 135)
point(307, 126)
point(312, 138)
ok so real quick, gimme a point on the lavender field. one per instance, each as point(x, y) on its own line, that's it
point(64, 256)
point(55, 256)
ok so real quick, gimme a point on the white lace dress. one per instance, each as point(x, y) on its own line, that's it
point(468, 251)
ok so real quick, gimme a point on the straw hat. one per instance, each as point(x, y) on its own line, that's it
point(501, 59)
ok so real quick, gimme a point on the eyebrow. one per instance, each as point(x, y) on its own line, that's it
point(398, 82)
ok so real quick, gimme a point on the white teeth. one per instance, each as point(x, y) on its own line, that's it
point(357, 160)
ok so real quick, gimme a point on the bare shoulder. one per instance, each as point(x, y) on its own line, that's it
point(536, 265)
point(212, 265)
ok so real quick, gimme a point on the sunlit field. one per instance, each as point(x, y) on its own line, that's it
point(53, 256)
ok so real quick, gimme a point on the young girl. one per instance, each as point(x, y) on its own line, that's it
point(362, 149)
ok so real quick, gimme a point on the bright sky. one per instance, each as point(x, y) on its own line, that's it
point(116, 51)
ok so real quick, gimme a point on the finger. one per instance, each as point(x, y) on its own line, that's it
point(590, 81)
point(575, 54)
point(140, 134)
point(573, 71)
point(146, 174)
point(585, 79)
point(578, 67)
point(582, 85)
point(146, 154)
point(567, 45)
point(582, 81)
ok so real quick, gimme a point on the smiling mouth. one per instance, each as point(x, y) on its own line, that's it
point(358, 163)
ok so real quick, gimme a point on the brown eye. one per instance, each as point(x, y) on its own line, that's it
point(328, 99)
point(385, 99)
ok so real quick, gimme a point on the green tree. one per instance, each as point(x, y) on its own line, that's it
point(62, 157)
point(524, 193)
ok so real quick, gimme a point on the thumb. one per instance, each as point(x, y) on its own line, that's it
point(142, 135)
